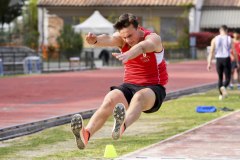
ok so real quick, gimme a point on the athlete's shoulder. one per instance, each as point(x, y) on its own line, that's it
point(144, 29)
point(217, 36)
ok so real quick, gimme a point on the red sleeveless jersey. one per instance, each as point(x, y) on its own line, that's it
point(237, 48)
point(146, 69)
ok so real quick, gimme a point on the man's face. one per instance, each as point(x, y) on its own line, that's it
point(235, 35)
point(130, 35)
point(221, 30)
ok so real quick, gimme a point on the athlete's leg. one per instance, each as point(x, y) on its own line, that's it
point(227, 71)
point(238, 77)
point(146, 100)
point(83, 134)
point(219, 68)
point(143, 100)
point(106, 109)
point(232, 75)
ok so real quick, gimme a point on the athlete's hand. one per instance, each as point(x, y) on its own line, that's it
point(238, 66)
point(121, 57)
point(209, 67)
point(91, 38)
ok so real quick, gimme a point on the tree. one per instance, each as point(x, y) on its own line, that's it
point(70, 43)
point(183, 39)
point(9, 10)
point(30, 25)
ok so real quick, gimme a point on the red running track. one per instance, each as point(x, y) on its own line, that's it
point(26, 99)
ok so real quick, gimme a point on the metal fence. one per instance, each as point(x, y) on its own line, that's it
point(87, 60)
point(172, 54)
point(12, 60)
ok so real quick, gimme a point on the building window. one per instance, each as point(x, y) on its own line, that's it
point(168, 29)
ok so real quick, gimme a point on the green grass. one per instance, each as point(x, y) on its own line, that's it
point(174, 117)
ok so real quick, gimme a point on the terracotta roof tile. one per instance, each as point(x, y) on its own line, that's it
point(86, 3)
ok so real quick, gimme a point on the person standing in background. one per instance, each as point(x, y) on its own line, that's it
point(221, 46)
point(236, 42)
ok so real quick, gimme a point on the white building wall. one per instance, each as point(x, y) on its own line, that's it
point(42, 26)
point(195, 16)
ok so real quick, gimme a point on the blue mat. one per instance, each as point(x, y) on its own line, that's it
point(206, 109)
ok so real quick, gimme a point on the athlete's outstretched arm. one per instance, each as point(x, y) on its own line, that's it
point(104, 40)
point(152, 43)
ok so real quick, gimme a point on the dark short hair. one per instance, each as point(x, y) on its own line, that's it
point(224, 27)
point(125, 20)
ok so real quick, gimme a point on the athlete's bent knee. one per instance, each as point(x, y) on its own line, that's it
point(139, 96)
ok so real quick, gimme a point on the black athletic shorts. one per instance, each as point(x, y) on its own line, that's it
point(234, 64)
point(130, 89)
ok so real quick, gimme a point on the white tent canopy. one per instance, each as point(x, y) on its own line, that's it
point(96, 23)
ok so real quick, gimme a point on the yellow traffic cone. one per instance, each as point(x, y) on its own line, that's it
point(110, 152)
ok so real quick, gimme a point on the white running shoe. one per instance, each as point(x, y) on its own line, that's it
point(224, 92)
point(220, 97)
point(119, 113)
point(79, 131)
